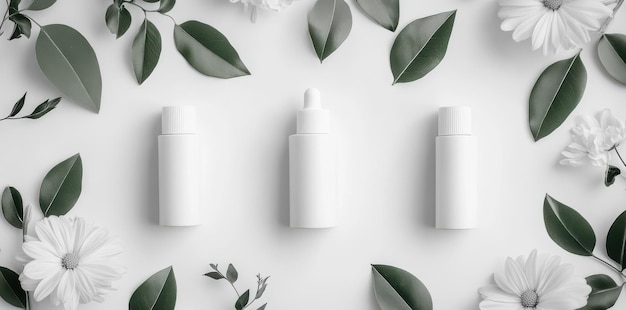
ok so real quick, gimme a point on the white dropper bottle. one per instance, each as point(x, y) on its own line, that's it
point(312, 167)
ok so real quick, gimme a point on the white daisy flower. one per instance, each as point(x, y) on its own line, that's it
point(557, 25)
point(540, 282)
point(70, 261)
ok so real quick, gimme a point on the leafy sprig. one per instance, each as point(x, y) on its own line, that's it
point(243, 300)
point(41, 110)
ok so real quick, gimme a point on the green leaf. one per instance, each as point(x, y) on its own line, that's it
point(22, 26)
point(330, 22)
point(44, 108)
point(231, 274)
point(61, 187)
point(17, 107)
point(610, 174)
point(10, 289)
point(69, 62)
point(14, 6)
point(166, 5)
point(421, 46)
point(397, 289)
point(156, 293)
point(38, 5)
point(242, 301)
point(555, 95)
point(262, 307)
point(568, 228)
point(214, 275)
point(604, 292)
point(151, 1)
point(384, 12)
point(261, 290)
point(118, 20)
point(208, 51)
point(12, 207)
point(616, 241)
point(612, 54)
point(146, 50)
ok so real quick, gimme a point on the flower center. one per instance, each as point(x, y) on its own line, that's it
point(69, 261)
point(553, 4)
point(530, 299)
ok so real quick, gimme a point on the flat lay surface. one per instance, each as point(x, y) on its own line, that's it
point(386, 156)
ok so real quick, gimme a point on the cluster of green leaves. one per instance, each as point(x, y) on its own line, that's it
point(157, 292)
point(205, 48)
point(64, 56)
point(58, 194)
point(243, 300)
point(398, 289)
point(573, 233)
point(416, 51)
point(41, 110)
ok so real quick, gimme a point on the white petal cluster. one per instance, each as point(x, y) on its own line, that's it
point(274, 5)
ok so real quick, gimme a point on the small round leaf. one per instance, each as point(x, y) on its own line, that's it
point(12, 207)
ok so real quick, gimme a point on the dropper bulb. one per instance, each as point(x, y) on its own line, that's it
point(312, 99)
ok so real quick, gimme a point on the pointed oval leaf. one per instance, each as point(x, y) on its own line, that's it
point(616, 241)
point(262, 307)
point(384, 12)
point(118, 20)
point(44, 108)
point(421, 46)
point(612, 54)
point(38, 5)
point(17, 107)
point(10, 289)
point(242, 301)
point(568, 228)
point(12, 207)
point(166, 5)
point(214, 275)
point(61, 187)
point(610, 174)
point(604, 292)
point(146, 50)
point(208, 51)
point(70, 63)
point(231, 274)
point(397, 289)
point(156, 293)
point(330, 22)
point(556, 93)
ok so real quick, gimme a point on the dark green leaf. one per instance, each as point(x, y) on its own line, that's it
point(44, 108)
point(384, 12)
point(166, 5)
point(262, 307)
point(214, 275)
point(330, 22)
point(398, 289)
point(69, 62)
point(12, 207)
point(555, 95)
point(231, 274)
point(242, 301)
point(604, 292)
point(18, 106)
point(616, 241)
point(156, 293)
point(38, 5)
point(208, 51)
point(14, 6)
point(610, 174)
point(146, 50)
point(61, 187)
point(612, 54)
point(10, 289)
point(118, 20)
point(421, 46)
point(568, 228)
point(22, 26)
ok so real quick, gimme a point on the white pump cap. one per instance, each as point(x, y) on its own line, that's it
point(179, 120)
point(313, 119)
point(456, 120)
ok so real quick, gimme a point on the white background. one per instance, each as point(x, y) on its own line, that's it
point(386, 153)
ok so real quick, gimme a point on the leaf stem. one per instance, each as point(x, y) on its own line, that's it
point(610, 266)
point(145, 12)
point(231, 284)
point(619, 155)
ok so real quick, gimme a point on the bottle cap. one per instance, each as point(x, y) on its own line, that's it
point(179, 120)
point(312, 118)
point(456, 120)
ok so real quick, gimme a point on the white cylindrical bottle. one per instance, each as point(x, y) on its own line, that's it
point(179, 167)
point(456, 170)
point(312, 167)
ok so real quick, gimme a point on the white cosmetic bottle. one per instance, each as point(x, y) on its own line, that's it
point(312, 167)
point(179, 167)
point(456, 170)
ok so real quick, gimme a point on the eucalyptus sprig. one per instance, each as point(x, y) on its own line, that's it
point(243, 300)
point(41, 110)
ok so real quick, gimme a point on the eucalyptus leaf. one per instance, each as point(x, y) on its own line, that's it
point(556, 93)
point(330, 22)
point(261, 290)
point(157, 293)
point(146, 50)
point(397, 289)
point(384, 12)
point(44, 108)
point(118, 20)
point(610, 174)
point(612, 54)
point(604, 292)
point(166, 5)
point(421, 46)
point(568, 228)
point(38, 5)
point(13, 207)
point(208, 51)
point(22, 26)
point(231, 274)
point(70, 63)
point(242, 301)
point(616, 241)
point(10, 289)
point(214, 275)
point(17, 107)
point(61, 187)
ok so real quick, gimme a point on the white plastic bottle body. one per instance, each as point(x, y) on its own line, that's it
point(456, 182)
point(179, 180)
point(312, 181)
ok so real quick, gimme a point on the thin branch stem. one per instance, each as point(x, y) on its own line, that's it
point(619, 155)
point(610, 266)
point(609, 20)
point(231, 284)
point(145, 12)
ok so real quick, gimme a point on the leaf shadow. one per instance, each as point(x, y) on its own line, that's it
point(426, 197)
point(283, 175)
